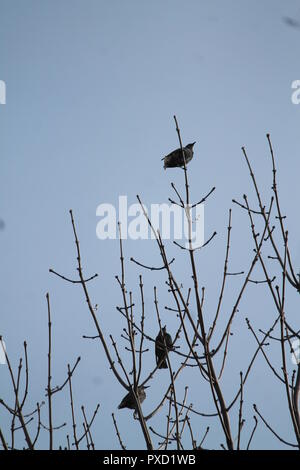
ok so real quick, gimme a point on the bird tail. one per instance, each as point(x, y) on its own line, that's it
point(163, 365)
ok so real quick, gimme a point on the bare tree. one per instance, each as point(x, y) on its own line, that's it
point(197, 344)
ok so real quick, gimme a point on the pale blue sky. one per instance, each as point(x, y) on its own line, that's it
point(92, 87)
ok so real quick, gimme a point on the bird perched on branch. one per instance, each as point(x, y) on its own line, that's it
point(129, 400)
point(175, 158)
point(163, 343)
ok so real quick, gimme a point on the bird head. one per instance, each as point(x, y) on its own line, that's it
point(190, 146)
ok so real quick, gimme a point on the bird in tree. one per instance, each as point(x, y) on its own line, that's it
point(129, 400)
point(163, 343)
point(175, 158)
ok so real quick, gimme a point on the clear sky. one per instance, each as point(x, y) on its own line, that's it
point(92, 87)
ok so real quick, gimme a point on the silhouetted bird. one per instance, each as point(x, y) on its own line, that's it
point(160, 348)
point(175, 158)
point(129, 400)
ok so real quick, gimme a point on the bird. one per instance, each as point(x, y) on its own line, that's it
point(129, 400)
point(163, 341)
point(175, 158)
